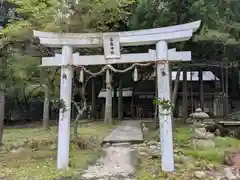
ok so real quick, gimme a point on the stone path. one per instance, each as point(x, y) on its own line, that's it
point(127, 131)
point(120, 159)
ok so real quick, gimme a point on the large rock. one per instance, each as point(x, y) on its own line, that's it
point(229, 174)
point(155, 143)
point(150, 152)
point(232, 158)
point(154, 153)
point(183, 159)
point(203, 143)
point(200, 174)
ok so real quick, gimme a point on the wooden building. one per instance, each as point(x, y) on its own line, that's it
point(140, 101)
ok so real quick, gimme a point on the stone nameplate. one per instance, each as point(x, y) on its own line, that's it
point(111, 46)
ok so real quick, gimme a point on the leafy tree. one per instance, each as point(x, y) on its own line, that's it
point(25, 52)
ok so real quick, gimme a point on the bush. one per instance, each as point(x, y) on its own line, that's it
point(85, 142)
point(35, 144)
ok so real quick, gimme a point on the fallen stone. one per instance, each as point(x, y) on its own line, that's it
point(53, 147)
point(183, 159)
point(143, 145)
point(203, 143)
point(199, 174)
point(143, 149)
point(152, 143)
point(229, 174)
point(190, 166)
point(220, 178)
point(145, 141)
point(154, 153)
point(232, 158)
point(18, 150)
point(153, 147)
point(210, 166)
point(143, 153)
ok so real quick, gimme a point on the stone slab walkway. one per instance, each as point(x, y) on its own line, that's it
point(120, 157)
point(127, 131)
point(118, 164)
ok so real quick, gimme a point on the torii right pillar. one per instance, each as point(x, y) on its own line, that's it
point(165, 121)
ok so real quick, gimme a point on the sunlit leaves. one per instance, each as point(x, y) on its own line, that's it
point(102, 15)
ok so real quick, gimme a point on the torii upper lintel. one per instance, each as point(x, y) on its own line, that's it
point(169, 34)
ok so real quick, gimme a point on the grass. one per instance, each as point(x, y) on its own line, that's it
point(38, 158)
point(150, 169)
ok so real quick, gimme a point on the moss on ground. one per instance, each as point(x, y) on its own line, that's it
point(202, 160)
point(31, 152)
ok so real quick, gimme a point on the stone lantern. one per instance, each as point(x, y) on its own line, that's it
point(201, 138)
point(199, 116)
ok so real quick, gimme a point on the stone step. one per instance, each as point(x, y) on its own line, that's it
point(127, 131)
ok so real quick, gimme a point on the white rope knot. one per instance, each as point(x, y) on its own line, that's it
point(162, 63)
point(108, 77)
point(135, 74)
point(81, 76)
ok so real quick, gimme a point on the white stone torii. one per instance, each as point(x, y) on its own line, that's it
point(111, 43)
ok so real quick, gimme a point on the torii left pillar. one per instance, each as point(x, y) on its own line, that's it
point(65, 113)
point(165, 121)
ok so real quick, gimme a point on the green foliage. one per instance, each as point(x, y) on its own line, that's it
point(164, 103)
point(60, 104)
point(26, 78)
point(35, 152)
point(187, 159)
point(217, 39)
point(101, 16)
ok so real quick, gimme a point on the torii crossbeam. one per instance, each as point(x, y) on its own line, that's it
point(112, 43)
point(78, 60)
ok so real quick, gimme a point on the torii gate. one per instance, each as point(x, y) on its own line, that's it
point(111, 43)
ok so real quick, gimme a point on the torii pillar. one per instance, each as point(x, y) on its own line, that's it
point(65, 114)
point(163, 86)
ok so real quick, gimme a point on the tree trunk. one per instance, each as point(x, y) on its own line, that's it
point(133, 101)
point(120, 100)
point(80, 110)
point(108, 102)
point(93, 99)
point(2, 104)
point(226, 88)
point(175, 90)
point(46, 109)
point(223, 90)
point(156, 119)
point(2, 110)
point(200, 76)
point(185, 96)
